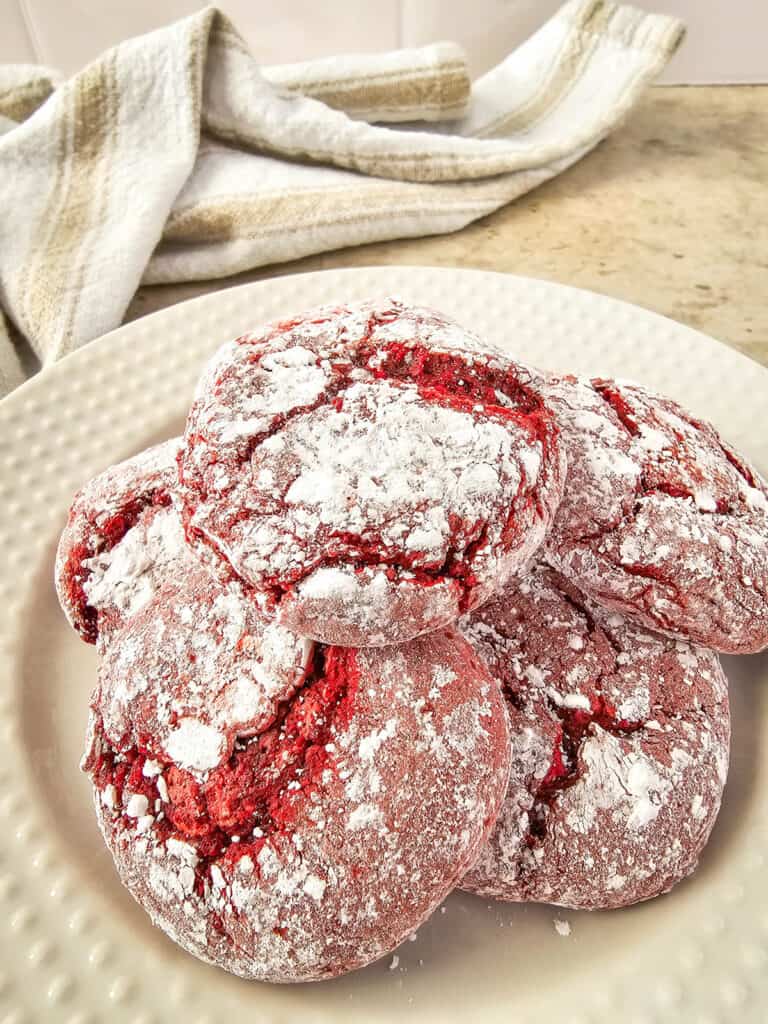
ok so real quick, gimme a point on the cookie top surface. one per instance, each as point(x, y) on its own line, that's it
point(661, 519)
point(195, 670)
point(122, 536)
point(315, 842)
point(623, 737)
point(368, 470)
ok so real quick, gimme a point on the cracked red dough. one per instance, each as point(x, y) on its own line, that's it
point(661, 519)
point(368, 470)
point(622, 738)
point(121, 538)
point(295, 813)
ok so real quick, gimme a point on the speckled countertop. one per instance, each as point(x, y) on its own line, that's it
point(670, 212)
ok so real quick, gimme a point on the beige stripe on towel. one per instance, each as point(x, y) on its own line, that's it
point(430, 83)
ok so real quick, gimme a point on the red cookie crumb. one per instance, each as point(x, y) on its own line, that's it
point(368, 470)
point(316, 841)
point(622, 736)
point(661, 519)
point(121, 538)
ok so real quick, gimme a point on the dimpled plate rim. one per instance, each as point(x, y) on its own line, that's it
point(73, 950)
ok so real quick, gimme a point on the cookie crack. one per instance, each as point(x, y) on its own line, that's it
point(566, 767)
point(234, 809)
point(455, 567)
point(103, 536)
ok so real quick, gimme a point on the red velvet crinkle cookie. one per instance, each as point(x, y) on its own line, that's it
point(622, 737)
point(122, 536)
point(661, 519)
point(368, 470)
point(290, 815)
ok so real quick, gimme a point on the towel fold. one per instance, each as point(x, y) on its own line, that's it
point(176, 157)
point(430, 83)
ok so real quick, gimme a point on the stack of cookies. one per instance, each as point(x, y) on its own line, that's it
point(398, 614)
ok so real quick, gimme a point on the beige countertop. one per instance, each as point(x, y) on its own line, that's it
point(670, 212)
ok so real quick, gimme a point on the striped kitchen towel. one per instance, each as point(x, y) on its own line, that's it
point(176, 157)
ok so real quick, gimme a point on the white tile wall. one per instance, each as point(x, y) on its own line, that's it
point(487, 29)
point(726, 40)
point(71, 33)
point(15, 41)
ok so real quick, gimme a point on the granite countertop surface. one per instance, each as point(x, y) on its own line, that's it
point(670, 212)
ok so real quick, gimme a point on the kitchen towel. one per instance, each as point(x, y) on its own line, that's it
point(176, 157)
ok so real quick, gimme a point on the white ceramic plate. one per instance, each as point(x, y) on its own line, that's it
point(76, 949)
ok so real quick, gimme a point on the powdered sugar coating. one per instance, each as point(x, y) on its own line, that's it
point(661, 519)
point(369, 470)
point(622, 736)
point(194, 670)
point(368, 831)
point(122, 537)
